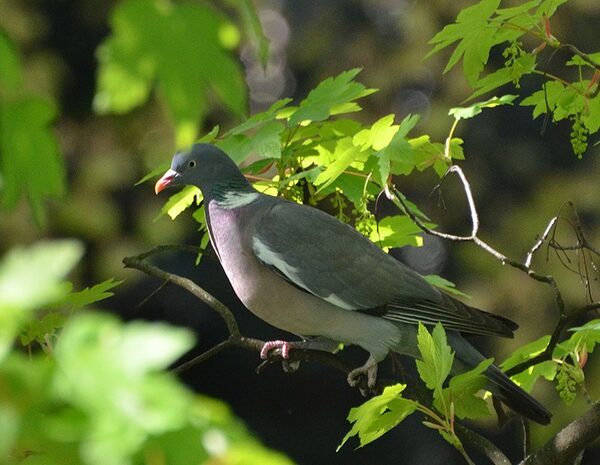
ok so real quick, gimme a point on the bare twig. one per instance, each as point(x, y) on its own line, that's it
point(188, 285)
point(540, 241)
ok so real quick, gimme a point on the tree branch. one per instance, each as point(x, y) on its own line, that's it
point(565, 318)
point(564, 448)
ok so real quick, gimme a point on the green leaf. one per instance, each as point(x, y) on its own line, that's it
point(331, 96)
point(436, 356)
point(462, 391)
point(91, 295)
point(519, 68)
point(526, 352)
point(110, 372)
point(576, 60)
point(30, 161)
point(31, 277)
point(259, 119)
point(583, 338)
point(475, 35)
point(151, 45)
point(265, 142)
point(444, 285)
point(179, 202)
point(591, 118)
point(546, 99)
point(378, 415)
point(158, 171)
point(397, 231)
point(473, 110)
point(378, 136)
point(527, 378)
point(344, 154)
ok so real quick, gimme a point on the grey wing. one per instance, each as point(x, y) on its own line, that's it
point(331, 260)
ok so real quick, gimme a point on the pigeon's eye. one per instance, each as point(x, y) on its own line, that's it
point(192, 163)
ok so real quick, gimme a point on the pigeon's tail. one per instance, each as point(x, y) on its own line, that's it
point(515, 397)
point(500, 385)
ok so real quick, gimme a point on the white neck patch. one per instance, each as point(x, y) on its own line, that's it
point(236, 199)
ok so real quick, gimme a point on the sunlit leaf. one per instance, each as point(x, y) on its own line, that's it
point(436, 356)
point(378, 415)
point(476, 108)
point(329, 94)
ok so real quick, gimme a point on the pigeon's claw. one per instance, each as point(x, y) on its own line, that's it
point(369, 369)
point(283, 346)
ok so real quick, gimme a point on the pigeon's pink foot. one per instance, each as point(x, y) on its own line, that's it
point(283, 346)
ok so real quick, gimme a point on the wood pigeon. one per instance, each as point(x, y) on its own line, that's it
point(305, 272)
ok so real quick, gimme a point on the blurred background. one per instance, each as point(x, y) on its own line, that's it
point(521, 176)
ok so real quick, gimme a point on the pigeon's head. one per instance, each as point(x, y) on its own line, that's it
point(203, 166)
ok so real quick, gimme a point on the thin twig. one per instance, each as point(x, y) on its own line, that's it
point(188, 285)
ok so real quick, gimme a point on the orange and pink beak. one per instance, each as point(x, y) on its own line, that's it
point(165, 181)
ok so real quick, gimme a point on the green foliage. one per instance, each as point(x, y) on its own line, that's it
point(338, 159)
point(30, 164)
point(437, 357)
point(99, 394)
point(458, 398)
point(30, 278)
point(566, 365)
point(461, 393)
point(380, 414)
point(152, 45)
point(484, 25)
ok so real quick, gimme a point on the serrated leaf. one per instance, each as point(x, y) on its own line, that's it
point(473, 110)
point(583, 338)
point(475, 35)
point(91, 295)
point(331, 93)
point(436, 356)
point(378, 415)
